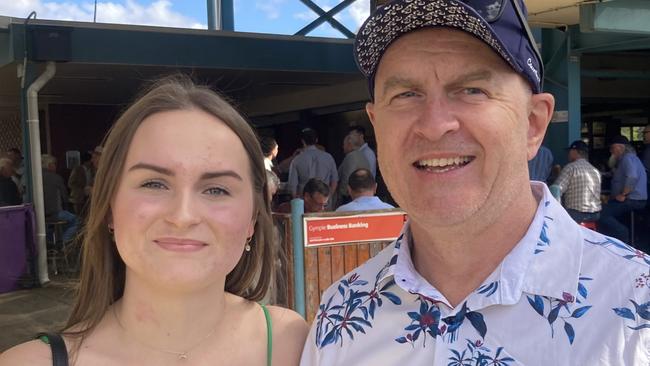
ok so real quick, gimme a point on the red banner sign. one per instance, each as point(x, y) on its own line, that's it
point(384, 226)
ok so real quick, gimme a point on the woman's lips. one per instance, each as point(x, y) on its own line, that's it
point(180, 245)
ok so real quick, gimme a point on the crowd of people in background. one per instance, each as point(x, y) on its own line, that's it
point(312, 174)
point(602, 200)
point(64, 203)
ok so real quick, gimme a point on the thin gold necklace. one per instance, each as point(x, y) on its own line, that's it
point(181, 355)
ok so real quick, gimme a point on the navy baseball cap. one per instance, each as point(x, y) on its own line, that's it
point(501, 24)
point(578, 145)
point(620, 139)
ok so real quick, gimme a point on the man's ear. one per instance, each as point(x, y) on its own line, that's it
point(370, 110)
point(540, 113)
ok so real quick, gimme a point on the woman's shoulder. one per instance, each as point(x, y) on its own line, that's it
point(29, 353)
point(289, 334)
point(287, 320)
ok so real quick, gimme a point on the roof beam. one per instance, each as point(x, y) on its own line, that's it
point(622, 16)
point(168, 47)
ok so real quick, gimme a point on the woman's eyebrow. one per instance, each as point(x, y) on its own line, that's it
point(155, 168)
point(221, 173)
point(169, 172)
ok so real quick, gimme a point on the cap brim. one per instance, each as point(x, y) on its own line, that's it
point(393, 20)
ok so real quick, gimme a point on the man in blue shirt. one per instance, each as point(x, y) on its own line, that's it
point(539, 167)
point(362, 188)
point(311, 163)
point(358, 133)
point(629, 191)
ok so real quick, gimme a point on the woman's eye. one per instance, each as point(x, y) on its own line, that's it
point(153, 184)
point(216, 191)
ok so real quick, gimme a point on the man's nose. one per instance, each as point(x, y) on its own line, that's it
point(436, 119)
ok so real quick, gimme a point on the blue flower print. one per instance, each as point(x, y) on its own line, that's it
point(354, 313)
point(642, 310)
point(543, 242)
point(623, 250)
point(424, 321)
point(489, 288)
point(427, 322)
point(476, 354)
point(559, 309)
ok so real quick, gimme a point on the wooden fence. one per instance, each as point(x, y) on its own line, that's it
point(323, 265)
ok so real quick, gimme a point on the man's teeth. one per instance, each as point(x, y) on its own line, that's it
point(445, 162)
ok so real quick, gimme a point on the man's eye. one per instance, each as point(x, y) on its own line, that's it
point(216, 191)
point(473, 91)
point(153, 184)
point(406, 94)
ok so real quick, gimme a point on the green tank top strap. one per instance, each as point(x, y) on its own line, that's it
point(269, 335)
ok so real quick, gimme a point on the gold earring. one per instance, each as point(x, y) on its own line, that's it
point(248, 244)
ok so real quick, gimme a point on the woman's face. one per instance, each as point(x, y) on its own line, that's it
point(184, 206)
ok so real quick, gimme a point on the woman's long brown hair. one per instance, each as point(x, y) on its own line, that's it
point(102, 270)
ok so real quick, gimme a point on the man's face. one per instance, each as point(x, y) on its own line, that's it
point(275, 151)
point(347, 146)
point(452, 125)
point(573, 155)
point(315, 202)
point(617, 150)
point(14, 156)
point(6, 171)
point(95, 159)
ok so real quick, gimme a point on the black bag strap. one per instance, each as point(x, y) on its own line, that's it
point(57, 345)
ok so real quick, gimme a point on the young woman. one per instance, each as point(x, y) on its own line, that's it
point(177, 245)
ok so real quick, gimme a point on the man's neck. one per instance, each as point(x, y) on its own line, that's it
point(458, 259)
point(361, 194)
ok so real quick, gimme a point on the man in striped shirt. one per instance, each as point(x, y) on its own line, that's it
point(579, 183)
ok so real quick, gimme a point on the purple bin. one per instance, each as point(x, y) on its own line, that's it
point(17, 246)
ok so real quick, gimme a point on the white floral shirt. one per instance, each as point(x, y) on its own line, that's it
point(564, 295)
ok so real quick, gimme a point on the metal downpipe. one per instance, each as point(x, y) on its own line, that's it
point(37, 173)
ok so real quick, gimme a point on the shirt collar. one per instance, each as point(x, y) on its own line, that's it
point(545, 262)
point(366, 199)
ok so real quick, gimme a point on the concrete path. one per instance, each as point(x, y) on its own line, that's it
point(25, 313)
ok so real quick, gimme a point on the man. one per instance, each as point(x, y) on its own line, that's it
point(646, 149)
point(90, 175)
point(19, 167)
point(354, 159)
point(629, 189)
point(539, 167)
point(270, 151)
point(579, 184)
point(9, 195)
point(315, 194)
point(311, 163)
point(77, 182)
point(489, 269)
point(362, 188)
point(55, 197)
point(358, 134)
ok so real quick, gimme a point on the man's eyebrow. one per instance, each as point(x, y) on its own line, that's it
point(155, 168)
point(398, 81)
point(479, 75)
